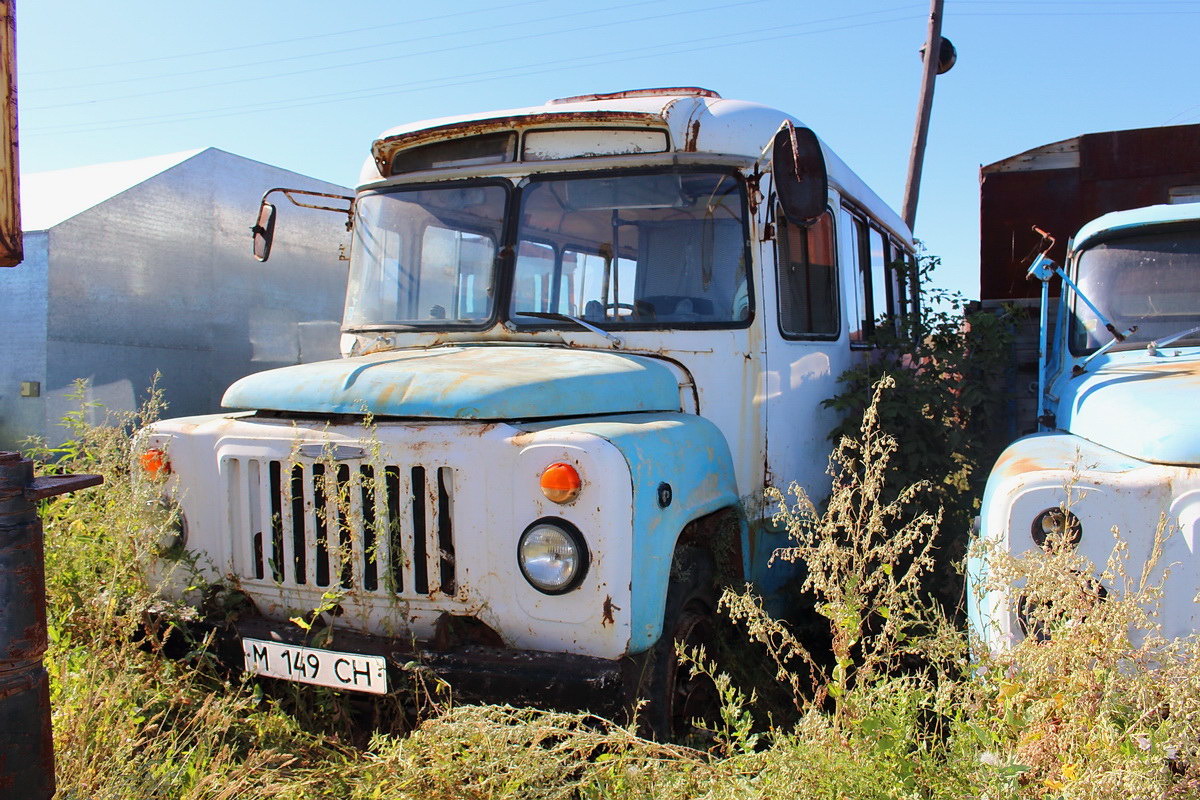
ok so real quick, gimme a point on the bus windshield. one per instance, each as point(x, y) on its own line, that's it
point(624, 250)
point(665, 249)
point(425, 257)
point(1151, 281)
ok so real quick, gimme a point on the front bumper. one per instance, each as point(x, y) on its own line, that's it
point(476, 673)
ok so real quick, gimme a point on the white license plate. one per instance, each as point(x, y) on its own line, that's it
point(351, 671)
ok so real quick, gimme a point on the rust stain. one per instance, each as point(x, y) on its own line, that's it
point(383, 150)
point(693, 137)
point(753, 194)
point(606, 612)
point(1019, 466)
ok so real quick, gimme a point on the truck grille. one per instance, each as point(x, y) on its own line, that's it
point(381, 529)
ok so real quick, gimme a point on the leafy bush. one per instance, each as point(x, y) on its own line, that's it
point(947, 364)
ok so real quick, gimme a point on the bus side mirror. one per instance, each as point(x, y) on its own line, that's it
point(801, 182)
point(264, 231)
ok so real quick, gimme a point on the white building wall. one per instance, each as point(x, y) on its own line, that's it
point(159, 278)
point(23, 341)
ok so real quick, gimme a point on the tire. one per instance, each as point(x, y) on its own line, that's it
point(673, 697)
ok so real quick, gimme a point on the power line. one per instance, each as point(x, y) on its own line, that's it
point(272, 43)
point(504, 40)
point(683, 46)
point(357, 48)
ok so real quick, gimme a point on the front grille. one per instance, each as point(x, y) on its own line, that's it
point(383, 529)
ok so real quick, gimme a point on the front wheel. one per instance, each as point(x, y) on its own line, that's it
point(674, 698)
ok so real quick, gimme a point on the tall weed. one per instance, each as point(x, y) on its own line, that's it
point(1095, 705)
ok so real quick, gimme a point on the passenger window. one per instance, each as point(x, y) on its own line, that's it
point(880, 280)
point(857, 278)
point(806, 274)
point(881, 289)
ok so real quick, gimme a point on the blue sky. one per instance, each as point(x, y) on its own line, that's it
point(308, 85)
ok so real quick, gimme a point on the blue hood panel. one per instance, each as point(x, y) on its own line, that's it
point(1145, 409)
point(486, 382)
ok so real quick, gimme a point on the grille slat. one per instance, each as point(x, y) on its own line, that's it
point(419, 544)
point(318, 519)
point(393, 525)
point(293, 523)
point(377, 529)
point(445, 530)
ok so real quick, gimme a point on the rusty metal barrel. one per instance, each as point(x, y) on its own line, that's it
point(26, 744)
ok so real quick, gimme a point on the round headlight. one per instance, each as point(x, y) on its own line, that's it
point(169, 527)
point(552, 555)
point(1058, 522)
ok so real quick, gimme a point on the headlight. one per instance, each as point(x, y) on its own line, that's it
point(170, 528)
point(1059, 522)
point(552, 555)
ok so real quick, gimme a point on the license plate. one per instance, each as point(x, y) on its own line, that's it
point(350, 671)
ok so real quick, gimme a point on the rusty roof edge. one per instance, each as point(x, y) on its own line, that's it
point(506, 169)
point(387, 145)
point(1042, 149)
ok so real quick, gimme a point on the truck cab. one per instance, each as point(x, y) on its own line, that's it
point(1118, 447)
point(579, 340)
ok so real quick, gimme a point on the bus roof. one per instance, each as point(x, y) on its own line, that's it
point(697, 121)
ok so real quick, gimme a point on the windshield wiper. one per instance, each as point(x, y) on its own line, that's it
point(1152, 348)
point(555, 315)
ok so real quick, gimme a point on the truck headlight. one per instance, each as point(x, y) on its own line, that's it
point(169, 527)
point(1058, 522)
point(552, 555)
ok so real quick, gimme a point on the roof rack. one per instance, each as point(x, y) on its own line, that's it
point(664, 91)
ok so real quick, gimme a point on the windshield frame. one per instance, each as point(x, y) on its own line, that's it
point(613, 325)
point(504, 262)
point(499, 260)
point(1116, 236)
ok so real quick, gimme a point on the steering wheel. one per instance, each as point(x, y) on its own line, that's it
point(616, 307)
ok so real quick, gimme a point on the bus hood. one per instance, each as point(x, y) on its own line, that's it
point(484, 382)
point(1144, 410)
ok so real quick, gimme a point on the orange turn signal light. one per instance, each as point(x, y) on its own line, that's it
point(560, 483)
point(155, 463)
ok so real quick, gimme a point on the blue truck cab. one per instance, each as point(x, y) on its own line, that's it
point(1118, 432)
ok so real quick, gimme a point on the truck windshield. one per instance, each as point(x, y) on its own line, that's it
point(1151, 281)
point(633, 250)
point(425, 257)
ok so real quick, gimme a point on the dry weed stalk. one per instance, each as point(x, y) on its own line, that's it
point(865, 557)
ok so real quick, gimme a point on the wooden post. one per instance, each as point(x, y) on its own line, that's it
point(916, 159)
point(11, 244)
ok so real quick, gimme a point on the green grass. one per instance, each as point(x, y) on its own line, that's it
point(899, 711)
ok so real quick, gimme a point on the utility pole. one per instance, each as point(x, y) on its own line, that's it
point(936, 62)
point(11, 249)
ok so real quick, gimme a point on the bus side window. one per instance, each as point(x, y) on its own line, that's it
point(902, 282)
point(806, 274)
point(882, 293)
point(857, 278)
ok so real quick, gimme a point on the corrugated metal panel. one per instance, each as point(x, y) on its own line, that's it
point(1116, 170)
point(159, 278)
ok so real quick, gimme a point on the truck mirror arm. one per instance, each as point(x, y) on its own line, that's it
point(263, 230)
point(1044, 269)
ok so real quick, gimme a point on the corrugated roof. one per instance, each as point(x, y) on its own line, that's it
point(48, 198)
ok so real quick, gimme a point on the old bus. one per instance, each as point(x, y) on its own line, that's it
point(579, 340)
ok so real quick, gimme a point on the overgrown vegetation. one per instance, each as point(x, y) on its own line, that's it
point(1093, 706)
point(948, 364)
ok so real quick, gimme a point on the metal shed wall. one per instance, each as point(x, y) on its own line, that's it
point(159, 278)
point(1109, 171)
